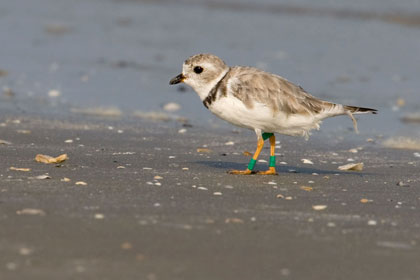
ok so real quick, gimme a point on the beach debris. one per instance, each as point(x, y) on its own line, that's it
point(203, 150)
point(68, 141)
point(24, 251)
point(54, 93)
point(19, 169)
point(8, 93)
point(306, 161)
point(126, 246)
point(98, 111)
point(288, 198)
point(202, 188)
point(65, 179)
point(154, 116)
point(365, 200)
point(262, 161)
point(372, 223)
point(171, 107)
point(319, 207)
point(306, 188)
point(4, 142)
point(157, 177)
point(279, 196)
point(182, 130)
point(352, 167)
point(147, 168)
point(81, 183)
point(31, 211)
point(217, 193)
point(246, 153)
point(402, 143)
point(400, 102)
point(415, 154)
point(42, 177)
point(3, 73)
point(120, 167)
point(234, 221)
point(411, 118)
point(185, 168)
point(99, 216)
point(49, 159)
point(354, 151)
point(23, 131)
point(402, 184)
point(230, 143)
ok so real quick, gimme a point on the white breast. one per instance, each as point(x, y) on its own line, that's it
point(233, 110)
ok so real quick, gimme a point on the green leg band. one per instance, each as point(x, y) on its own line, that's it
point(272, 161)
point(265, 135)
point(251, 164)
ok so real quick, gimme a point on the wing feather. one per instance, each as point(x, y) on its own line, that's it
point(253, 85)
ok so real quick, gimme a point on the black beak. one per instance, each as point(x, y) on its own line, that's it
point(176, 80)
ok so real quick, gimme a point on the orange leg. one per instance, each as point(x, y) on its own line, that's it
point(248, 171)
point(272, 169)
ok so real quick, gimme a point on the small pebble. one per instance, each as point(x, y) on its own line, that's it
point(319, 207)
point(202, 188)
point(182, 130)
point(402, 184)
point(306, 161)
point(372, 223)
point(68, 141)
point(99, 216)
point(230, 143)
point(217, 193)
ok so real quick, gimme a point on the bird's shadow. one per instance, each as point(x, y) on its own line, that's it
point(281, 169)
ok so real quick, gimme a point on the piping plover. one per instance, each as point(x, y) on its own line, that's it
point(257, 100)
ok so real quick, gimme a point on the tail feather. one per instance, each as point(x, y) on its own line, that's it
point(359, 110)
point(350, 110)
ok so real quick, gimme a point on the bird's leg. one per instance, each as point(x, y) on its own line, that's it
point(251, 164)
point(272, 169)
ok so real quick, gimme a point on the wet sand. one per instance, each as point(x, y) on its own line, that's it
point(155, 208)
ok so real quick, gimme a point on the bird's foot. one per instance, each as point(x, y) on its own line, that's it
point(241, 172)
point(270, 171)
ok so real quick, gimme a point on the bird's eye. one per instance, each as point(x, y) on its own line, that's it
point(198, 69)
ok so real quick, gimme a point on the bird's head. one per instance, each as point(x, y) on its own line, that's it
point(202, 72)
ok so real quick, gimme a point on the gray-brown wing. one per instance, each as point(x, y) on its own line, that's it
point(252, 85)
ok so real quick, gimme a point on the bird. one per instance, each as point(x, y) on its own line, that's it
point(258, 100)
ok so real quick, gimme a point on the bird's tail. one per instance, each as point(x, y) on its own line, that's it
point(350, 110)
